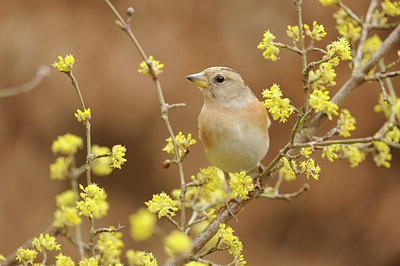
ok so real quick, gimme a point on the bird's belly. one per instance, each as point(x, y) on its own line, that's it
point(239, 150)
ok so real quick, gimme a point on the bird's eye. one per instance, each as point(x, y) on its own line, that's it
point(220, 79)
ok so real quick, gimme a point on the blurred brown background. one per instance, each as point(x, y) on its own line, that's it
point(349, 217)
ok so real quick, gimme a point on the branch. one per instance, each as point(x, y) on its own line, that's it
point(108, 230)
point(383, 75)
point(41, 73)
point(358, 77)
point(287, 196)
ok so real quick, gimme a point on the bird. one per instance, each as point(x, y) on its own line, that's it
point(233, 124)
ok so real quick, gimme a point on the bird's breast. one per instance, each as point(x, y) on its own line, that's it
point(234, 138)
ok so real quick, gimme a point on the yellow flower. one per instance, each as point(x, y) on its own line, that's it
point(118, 153)
point(278, 107)
point(67, 144)
point(319, 100)
point(26, 255)
point(235, 246)
point(391, 9)
point(241, 184)
point(271, 51)
point(346, 123)
point(109, 246)
point(347, 27)
point(89, 262)
point(182, 143)
point(163, 204)
point(339, 48)
point(66, 199)
point(2, 257)
point(382, 155)
point(94, 202)
point(383, 106)
point(309, 168)
point(293, 32)
point(66, 216)
point(64, 260)
point(142, 224)
point(59, 169)
point(155, 65)
point(393, 134)
point(209, 179)
point(330, 152)
point(177, 242)
point(83, 116)
point(140, 258)
point(46, 242)
point(64, 64)
point(317, 33)
point(329, 2)
point(101, 166)
point(286, 171)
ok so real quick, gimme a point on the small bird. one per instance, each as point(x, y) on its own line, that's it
point(233, 123)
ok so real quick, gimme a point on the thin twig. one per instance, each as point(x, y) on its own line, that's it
point(108, 230)
point(41, 73)
point(383, 75)
point(126, 26)
point(287, 196)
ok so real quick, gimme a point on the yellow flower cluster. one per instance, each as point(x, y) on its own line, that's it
point(339, 48)
point(46, 242)
point(383, 106)
point(101, 166)
point(26, 255)
point(309, 167)
point(293, 32)
point(319, 100)
point(382, 154)
point(83, 116)
point(66, 213)
point(155, 65)
point(177, 242)
point(142, 224)
point(140, 258)
point(371, 45)
point(162, 204)
point(347, 26)
point(64, 64)
point(89, 262)
point(352, 153)
point(241, 184)
point(393, 134)
point(286, 172)
point(117, 156)
point(208, 178)
point(94, 204)
point(329, 2)
point(278, 107)
point(391, 8)
point(182, 143)
point(41, 244)
point(346, 123)
point(62, 260)
point(59, 169)
point(67, 144)
point(271, 51)
point(317, 33)
point(235, 246)
point(109, 246)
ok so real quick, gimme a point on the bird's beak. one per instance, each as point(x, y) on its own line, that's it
point(199, 79)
